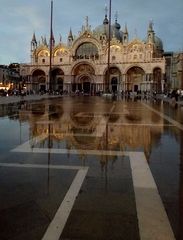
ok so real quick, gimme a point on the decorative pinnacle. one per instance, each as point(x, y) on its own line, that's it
point(151, 23)
point(60, 38)
point(106, 10)
point(86, 21)
point(116, 16)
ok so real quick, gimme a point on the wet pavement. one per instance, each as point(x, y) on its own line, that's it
point(91, 168)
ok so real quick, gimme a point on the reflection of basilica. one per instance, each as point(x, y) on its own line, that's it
point(73, 129)
point(82, 63)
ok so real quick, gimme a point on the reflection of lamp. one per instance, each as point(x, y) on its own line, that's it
point(20, 126)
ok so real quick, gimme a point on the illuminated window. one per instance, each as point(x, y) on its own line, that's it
point(113, 58)
point(86, 50)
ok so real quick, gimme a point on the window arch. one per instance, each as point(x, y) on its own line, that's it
point(87, 50)
point(43, 53)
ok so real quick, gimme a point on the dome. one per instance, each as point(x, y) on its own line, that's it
point(158, 43)
point(104, 29)
point(117, 25)
point(115, 31)
point(101, 29)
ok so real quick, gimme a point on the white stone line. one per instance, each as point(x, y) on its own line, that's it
point(152, 218)
point(27, 149)
point(175, 123)
point(98, 114)
point(45, 122)
point(140, 124)
point(57, 225)
point(18, 165)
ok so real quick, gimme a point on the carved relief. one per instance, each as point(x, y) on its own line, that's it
point(84, 68)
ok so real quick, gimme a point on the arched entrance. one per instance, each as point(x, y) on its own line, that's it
point(60, 84)
point(84, 79)
point(135, 77)
point(157, 74)
point(112, 80)
point(114, 84)
point(42, 84)
point(39, 81)
point(85, 84)
point(57, 79)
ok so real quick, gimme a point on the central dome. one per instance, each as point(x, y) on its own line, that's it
point(104, 30)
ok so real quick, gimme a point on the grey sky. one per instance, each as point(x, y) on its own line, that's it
point(20, 18)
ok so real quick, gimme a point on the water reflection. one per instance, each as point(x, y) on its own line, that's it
point(83, 124)
point(114, 126)
point(75, 126)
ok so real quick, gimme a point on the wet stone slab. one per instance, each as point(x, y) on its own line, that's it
point(103, 136)
point(23, 222)
point(29, 199)
point(105, 208)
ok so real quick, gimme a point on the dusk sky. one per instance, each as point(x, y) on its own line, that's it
point(20, 18)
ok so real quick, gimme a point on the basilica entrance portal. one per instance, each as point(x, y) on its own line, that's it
point(86, 84)
point(84, 79)
point(134, 81)
point(114, 84)
point(86, 87)
point(38, 81)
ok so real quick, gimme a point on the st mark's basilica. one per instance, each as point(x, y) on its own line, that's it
point(82, 64)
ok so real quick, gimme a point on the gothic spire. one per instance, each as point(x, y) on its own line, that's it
point(150, 32)
point(70, 38)
point(60, 38)
point(45, 41)
point(33, 42)
point(116, 16)
point(150, 28)
point(52, 38)
point(106, 21)
point(126, 29)
point(70, 34)
point(125, 34)
point(34, 38)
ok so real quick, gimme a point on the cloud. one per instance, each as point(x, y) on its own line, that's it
point(18, 20)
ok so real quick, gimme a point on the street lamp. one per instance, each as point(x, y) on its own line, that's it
point(51, 46)
point(109, 50)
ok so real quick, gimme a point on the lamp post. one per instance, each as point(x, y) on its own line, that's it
point(51, 46)
point(109, 50)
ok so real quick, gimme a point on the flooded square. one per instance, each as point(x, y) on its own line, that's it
point(90, 168)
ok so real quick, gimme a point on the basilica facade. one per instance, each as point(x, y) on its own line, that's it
point(88, 63)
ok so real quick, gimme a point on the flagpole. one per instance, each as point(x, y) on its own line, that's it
point(109, 48)
point(51, 46)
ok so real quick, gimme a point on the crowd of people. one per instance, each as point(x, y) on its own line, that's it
point(174, 94)
point(15, 92)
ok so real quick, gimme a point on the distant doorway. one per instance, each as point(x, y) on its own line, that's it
point(42, 88)
point(86, 87)
point(114, 84)
point(136, 88)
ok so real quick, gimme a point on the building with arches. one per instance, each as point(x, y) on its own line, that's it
point(82, 63)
